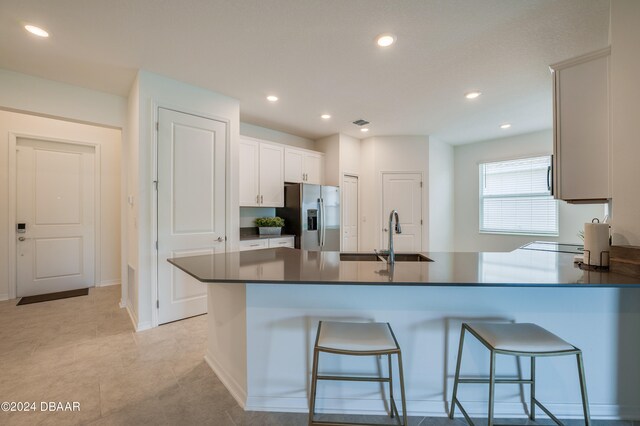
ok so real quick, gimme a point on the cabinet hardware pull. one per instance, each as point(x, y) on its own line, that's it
point(257, 199)
point(261, 199)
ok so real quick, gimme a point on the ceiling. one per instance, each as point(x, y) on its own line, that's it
point(319, 56)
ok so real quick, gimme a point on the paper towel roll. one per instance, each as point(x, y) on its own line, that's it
point(596, 241)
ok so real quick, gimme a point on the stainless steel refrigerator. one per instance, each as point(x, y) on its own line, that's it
point(312, 214)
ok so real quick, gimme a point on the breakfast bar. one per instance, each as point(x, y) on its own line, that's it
point(264, 308)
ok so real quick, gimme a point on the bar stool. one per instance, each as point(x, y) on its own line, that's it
point(515, 339)
point(356, 339)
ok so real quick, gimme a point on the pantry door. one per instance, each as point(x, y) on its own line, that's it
point(191, 206)
point(402, 192)
point(55, 216)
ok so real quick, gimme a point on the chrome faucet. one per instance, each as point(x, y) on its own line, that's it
point(398, 229)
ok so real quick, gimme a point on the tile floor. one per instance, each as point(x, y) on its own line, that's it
point(84, 349)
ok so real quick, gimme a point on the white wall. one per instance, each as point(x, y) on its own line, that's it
point(441, 196)
point(259, 132)
point(349, 155)
point(331, 148)
point(467, 158)
point(109, 141)
point(625, 129)
point(36, 95)
point(153, 89)
point(386, 154)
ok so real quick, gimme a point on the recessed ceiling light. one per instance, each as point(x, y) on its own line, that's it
point(272, 98)
point(385, 40)
point(36, 31)
point(505, 126)
point(325, 116)
point(472, 95)
point(364, 129)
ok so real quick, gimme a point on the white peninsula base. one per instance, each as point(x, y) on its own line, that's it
point(261, 338)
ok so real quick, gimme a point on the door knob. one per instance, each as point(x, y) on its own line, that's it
point(385, 229)
point(220, 239)
point(21, 238)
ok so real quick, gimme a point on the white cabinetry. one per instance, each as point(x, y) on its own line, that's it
point(581, 164)
point(303, 166)
point(261, 174)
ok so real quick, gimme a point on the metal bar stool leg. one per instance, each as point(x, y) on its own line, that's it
point(392, 404)
point(583, 390)
point(532, 406)
point(457, 376)
point(492, 386)
point(314, 382)
point(404, 400)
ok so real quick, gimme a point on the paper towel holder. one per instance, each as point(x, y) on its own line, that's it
point(586, 262)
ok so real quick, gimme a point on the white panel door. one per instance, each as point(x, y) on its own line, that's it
point(293, 165)
point(271, 175)
point(350, 213)
point(403, 192)
point(249, 179)
point(312, 167)
point(56, 200)
point(191, 206)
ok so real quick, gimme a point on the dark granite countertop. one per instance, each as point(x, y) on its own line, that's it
point(519, 268)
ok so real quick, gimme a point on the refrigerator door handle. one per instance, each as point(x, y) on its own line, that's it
point(324, 228)
point(320, 219)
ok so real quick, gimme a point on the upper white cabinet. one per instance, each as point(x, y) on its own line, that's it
point(581, 163)
point(261, 174)
point(303, 166)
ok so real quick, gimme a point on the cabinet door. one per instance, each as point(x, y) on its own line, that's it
point(271, 175)
point(293, 165)
point(312, 168)
point(249, 154)
point(582, 130)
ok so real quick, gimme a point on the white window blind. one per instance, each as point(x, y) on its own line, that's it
point(515, 197)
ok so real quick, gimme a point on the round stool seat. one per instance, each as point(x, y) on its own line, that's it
point(520, 337)
point(356, 337)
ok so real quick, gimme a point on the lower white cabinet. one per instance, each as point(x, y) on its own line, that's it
point(281, 242)
point(259, 244)
point(253, 245)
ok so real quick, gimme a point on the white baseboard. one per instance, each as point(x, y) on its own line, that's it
point(122, 304)
point(108, 283)
point(234, 388)
point(139, 326)
point(4, 296)
point(436, 408)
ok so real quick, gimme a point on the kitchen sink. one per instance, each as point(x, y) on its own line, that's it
point(360, 257)
point(374, 257)
point(408, 257)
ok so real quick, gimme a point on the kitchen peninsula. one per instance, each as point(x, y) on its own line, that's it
point(264, 307)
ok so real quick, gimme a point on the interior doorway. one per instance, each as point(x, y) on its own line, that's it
point(191, 206)
point(56, 191)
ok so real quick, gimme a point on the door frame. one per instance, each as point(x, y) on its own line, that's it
point(155, 116)
point(384, 215)
point(13, 181)
point(357, 176)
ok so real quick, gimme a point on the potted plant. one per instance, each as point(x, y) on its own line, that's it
point(270, 225)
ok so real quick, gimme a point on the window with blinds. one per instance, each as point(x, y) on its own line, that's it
point(515, 197)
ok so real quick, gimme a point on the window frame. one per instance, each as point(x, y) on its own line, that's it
point(481, 197)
